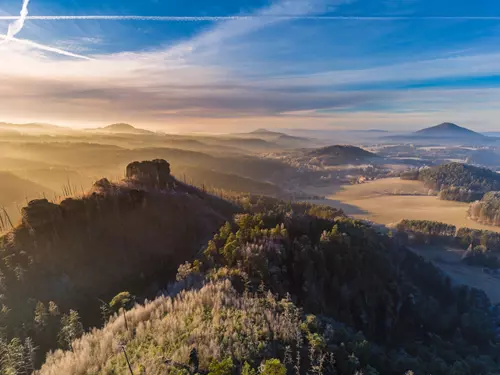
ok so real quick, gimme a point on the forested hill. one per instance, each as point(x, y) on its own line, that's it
point(291, 288)
point(340, 154)
point(458, 181)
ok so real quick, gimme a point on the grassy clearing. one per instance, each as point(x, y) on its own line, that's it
point(389, 200)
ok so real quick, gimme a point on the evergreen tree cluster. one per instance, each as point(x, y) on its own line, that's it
point(457, 181)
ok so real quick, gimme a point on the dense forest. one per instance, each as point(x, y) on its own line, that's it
point(280, 291)
point(456, 181)
point(487, 210)
point(278, 287)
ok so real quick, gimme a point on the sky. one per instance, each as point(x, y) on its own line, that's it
point(235, 65)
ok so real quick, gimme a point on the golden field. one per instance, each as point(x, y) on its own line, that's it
point(390, 200)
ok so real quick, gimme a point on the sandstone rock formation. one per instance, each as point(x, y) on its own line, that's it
point(155, 173)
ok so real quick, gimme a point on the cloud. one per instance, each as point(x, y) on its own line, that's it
point(462, 66)
point(195, 81)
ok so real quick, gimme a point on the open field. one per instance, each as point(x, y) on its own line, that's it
point(387, 201)
point(448, 259)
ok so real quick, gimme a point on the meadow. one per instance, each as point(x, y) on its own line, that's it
point(390, 200)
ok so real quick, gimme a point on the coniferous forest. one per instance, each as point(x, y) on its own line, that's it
point(271, 287)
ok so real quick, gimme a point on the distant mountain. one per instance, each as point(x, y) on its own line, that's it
point(279, 138)
point(445, 133)
point(265, 132)
point(122, 128)
point(448, 130)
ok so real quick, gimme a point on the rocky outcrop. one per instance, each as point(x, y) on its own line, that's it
point(155, 173)
point(40, 212)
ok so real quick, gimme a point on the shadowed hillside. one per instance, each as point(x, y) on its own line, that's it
point(128, 234)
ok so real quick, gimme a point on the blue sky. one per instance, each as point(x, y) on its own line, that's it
point(347, 64)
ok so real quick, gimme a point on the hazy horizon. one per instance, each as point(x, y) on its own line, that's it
point(46, 127)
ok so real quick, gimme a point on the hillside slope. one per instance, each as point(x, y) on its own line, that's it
point(306, 294)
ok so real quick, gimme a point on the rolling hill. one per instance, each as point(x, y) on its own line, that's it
point(342, 154)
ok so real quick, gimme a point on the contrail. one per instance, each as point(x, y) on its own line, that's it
point(42, 47)
point(229, 18)
point(18, 24)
